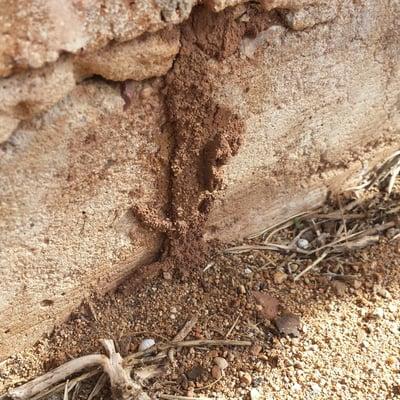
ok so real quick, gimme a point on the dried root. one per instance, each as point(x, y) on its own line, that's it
point(126, 382)
point(122, 385)
point(346, 223)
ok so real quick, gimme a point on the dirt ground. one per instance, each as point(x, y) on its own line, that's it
point(347, 345)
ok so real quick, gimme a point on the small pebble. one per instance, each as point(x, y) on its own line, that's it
point(216, 372)
point(303, 244)
point(357, 284)
point(255, 350)
point(246, 378)
point(280, 277)
point(255, 394)
point(167, 275)
point(395, 329)
point(213, 353)
point(315, 388)
point(293, 267)
point(242, 289)
point(298, 365)
point(296, 387)
point(384, 293)
point(392, 308)
point(146, 344)
point(313, 347)
point(391, 233)
point(146, 92)
point(221, 363)
point(378, 313)
point(339, 287)
point(391, 360)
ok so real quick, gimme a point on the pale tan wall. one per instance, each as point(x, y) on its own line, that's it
point(68, 179)
point(318, 100)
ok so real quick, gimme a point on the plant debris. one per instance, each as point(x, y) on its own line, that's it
point(119, 370)
point(348, 222)
point(221, 293)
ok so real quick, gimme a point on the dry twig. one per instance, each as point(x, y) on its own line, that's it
point(232, 327)
point(122, 385)
point(98, 386)
point(312, 265)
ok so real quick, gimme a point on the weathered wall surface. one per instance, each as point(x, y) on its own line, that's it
point(68, 179)
point(314, 85)
point(27, 94)
point(320, 94)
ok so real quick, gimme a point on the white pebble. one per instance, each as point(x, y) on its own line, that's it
point(392, 308)
point(315, 387)
point(378, 313)
point(395, 329)
point(221, 363)
point(255, 394)
point(384, 293)
point(303, 244)
point(146, 344)
point(296, 387)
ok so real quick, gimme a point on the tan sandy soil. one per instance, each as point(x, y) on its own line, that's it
point(348, 345)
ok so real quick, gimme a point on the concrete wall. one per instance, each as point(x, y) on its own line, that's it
point(315, 85)
point(320, 98)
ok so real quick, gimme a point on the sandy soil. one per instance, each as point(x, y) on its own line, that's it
point(348, 343)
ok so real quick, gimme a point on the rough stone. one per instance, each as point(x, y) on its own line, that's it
point(221, 363)
point(245, 378)
point(145, 344)
point(255, 394)
point(310, 16)
point(27, 94)
point(280, 277)
point(150, 55)
point(216, 372)
point(378, 313)
point(339, 287)
point(357, 284)
point(35, 33)
point(7, 127)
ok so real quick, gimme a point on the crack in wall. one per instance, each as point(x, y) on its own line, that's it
point(205, 134)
